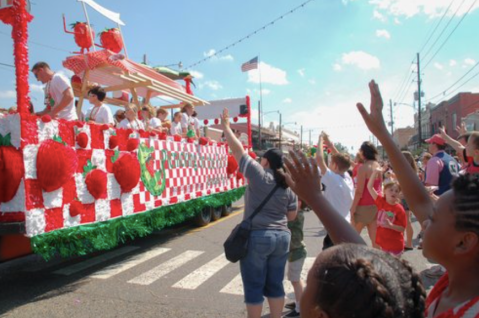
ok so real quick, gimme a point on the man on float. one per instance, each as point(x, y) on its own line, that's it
point(59, 99)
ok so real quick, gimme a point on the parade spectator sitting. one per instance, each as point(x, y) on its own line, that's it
point(150, 121)
point(262, 270)
point(176, 125)
point(99, 113)
point(58, 93)
point(187, 120)
point(338, 185)
point(391, 215)
point(119, 116)
point(162, 115)
point(131, 121)
point(451, 235)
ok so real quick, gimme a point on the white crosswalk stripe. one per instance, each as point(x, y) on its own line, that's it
point(202, 274)
point(118, 268)
point(163, 269)
point(94, 261)
point(235, 287)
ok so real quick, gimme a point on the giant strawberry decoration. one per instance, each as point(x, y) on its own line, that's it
point(83, 34)
point(95, 180)
point(111, 40)
point(126, 170)
point(56, 164)
point(76, 208)
point(232, 165)
point(11, 169)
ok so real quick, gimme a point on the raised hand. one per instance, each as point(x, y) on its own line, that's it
point(225, 119)
point(462, 129)
point(303, 176)
point(374, 119)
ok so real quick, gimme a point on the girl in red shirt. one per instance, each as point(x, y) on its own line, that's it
point(391, 217)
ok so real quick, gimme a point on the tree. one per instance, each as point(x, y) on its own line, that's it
point(340, 147)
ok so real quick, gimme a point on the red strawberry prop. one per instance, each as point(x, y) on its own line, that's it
point(79, 124)
point(190, 140)
point(132, 144)
point(11, 169)
point(76, 80)
point(217, 121)
point(56, 164)
point(232, 165)
point(177, 138)
point(113, 142)
point(111, 40)
point(95, 180)
point(82, 140)
point(127, 171)
point(235, 119)
point(83, 34)
point(76, 208)
point(46, 118)
point(162, 136)
point(104, 127)
point(203, 141)
point(206, 121)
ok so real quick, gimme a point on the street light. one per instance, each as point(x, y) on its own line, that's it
point(295, 123)
point(280, 119)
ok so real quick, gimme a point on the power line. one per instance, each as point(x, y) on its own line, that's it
point(249, 35)
point(437, 25)
point(457, 88)
point(464, 75)
point(9, 65)
point(444, 29)
point(403, 85)
point(450, 34)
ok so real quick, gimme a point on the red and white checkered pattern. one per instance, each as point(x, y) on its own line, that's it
point(44, 212)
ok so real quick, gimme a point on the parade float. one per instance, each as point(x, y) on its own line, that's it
point(70, 188)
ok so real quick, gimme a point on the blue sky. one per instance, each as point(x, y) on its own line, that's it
point(315, 63)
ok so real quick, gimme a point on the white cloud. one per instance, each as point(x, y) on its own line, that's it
point(379, 16)
point(469, 61)
point(66, 72)
point(287, 100)
point(269, 74)
point(8, 94)
point(337, 67)
point(431, 8)
point(37, 88)
point(301, 72)
point(452, 63)
point(197, 74)
point(214, 57)
point(439, 66)
point(361, 60)
point(383, 34)
point(397, 21)
point(214, 85)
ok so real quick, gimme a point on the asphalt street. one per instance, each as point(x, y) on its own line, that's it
point(178, 272)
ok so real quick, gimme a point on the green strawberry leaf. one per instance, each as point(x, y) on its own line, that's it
point(115, 157)
point(88, 167)
point(6, 141)
point(113, 133)
point(59, 139)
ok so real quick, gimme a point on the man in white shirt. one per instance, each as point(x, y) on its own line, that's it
point(59, 99)
point(99, 113)
point(338, 184)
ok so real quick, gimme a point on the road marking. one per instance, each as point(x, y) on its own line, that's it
point(216, 222)
point(115, 269)
point(235, 287)
point(161, 270)
point(202, 274)
point(94, 261)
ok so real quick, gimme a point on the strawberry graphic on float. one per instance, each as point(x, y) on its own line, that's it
point(154, 181)
point(11, 169)
point(126, 170)
point(95, 180)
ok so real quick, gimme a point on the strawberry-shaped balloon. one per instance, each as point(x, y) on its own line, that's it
point(111, 40)
point(83, 34)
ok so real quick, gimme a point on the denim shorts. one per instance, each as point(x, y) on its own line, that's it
point(262, 270)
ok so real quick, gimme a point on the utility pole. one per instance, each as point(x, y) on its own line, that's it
point(280, 131)
point(301, 140)
point(260, 144)
point(392, 118)
point(419, 100)
point(144, 59)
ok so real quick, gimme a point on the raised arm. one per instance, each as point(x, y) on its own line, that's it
point(320, 156)
point(372, 179)
point(415, 193)
point(329, 144)
point(453, 143)
point(233, 142)
point(304, 179)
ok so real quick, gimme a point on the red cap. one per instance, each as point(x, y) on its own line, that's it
point(436, 139)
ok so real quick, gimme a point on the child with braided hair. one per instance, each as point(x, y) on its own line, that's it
point(451, 235)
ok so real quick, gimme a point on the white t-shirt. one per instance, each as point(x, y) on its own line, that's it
point(54, 90)
point(175, 129)
point(187, 121)
point(100, 115)
point(135, 124)
point(155, 123)
point(197, 123)
point(339, 192)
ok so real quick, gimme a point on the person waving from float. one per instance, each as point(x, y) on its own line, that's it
point(131, 121)
point(99, 113)
point(59, 99)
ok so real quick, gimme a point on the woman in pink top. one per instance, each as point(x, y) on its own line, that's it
point(363, 209)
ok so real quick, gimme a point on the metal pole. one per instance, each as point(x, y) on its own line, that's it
point(419, 100)
point(392, 118)
point(280, 131)
point(260, 144)
point(123, 40)
point(91, 30)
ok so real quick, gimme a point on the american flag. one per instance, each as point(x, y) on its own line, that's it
point(250, 65)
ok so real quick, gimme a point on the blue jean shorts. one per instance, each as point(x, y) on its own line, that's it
point(262, 270)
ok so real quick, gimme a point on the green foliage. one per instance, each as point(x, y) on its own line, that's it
point(84, 239)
